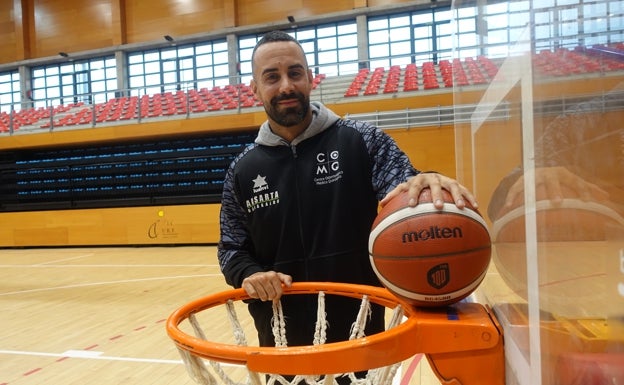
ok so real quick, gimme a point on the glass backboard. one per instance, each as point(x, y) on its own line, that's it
point(544, 152)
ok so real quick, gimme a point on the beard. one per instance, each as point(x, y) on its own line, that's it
point(290, 116)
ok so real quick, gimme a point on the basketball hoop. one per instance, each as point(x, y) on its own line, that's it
point(410, 331)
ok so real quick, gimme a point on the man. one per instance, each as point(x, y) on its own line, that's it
point(299, 203)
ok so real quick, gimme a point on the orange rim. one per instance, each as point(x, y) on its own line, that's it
point(374, 351)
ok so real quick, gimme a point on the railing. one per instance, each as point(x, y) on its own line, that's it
point(428, 117)
point(451, 115)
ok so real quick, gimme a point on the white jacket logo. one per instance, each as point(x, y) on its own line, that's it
point(260, 198)
point(327, 167)
point(260, 184)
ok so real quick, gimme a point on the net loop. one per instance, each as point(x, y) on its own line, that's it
point(279, 325)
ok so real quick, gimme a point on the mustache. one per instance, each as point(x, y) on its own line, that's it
point(294, 95)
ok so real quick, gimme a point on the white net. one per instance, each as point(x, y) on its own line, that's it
point(208, 375)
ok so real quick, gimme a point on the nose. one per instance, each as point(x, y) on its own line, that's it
point(286, 85)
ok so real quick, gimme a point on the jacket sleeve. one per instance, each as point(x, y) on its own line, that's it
point(235, 249)
point(390, 165)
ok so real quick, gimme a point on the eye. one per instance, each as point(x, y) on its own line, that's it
point(296, 74)
point(271, 77)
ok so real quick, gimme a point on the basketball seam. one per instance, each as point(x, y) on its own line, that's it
point(463, 251)
point(432, 297)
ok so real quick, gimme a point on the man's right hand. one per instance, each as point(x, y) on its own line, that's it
point(266, 285)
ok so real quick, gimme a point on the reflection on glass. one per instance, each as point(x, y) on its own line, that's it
point(578, 211)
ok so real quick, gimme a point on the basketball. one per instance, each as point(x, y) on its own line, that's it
point(427, 256)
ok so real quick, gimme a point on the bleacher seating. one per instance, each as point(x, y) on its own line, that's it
point(488, 66)
point(446, 71)
point(147, 106)
point(459, 74)
point(365, 83)
point(430, 76)
point(392, 80)
point(356, 85)
point(581, 60)
point(375, 81)
point(474, 72)
point(410, 78)
point(317, 80)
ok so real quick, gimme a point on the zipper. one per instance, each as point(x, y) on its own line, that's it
point(293, 149)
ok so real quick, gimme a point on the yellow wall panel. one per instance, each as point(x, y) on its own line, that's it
point(71, 26)
point(428, 148)
point(151, 20)
point(186, 224)
point(8, 34)
point(376, 3)
point(268, 11)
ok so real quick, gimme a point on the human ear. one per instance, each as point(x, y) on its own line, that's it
point(254, 88)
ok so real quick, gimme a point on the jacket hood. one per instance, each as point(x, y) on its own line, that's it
point(322, 118)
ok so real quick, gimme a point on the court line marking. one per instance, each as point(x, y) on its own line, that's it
point(76, 354)
point(82, 353)
point(40, 265)
point(572, 279)
point(67, 259)
point(108, 283)
point(411, 369)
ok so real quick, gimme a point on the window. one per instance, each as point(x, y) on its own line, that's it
point(10, 97)
point(415, 37)
point(191, 66)
point(568, 24)
point(331, 49)
point(503, 23)
point(89, 81)
point(429, 35)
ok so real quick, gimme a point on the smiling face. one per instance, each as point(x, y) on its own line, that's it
point(283, 82)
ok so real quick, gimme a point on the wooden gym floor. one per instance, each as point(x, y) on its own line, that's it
point(97, 315)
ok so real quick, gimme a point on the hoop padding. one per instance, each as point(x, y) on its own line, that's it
point(368, 352)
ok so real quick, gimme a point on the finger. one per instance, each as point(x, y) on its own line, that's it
point(274, 289)
point(396, 191)
point(515, 190)
point(553, 190)
point(259, 286)
point(268, 285)
point(463, 195)
point(457, 191)
point(436, 195)
point(597, 193)
point(263, 295)
point(585, 190)
point(458, 198)
point(250, 289)
point(285, 279)
point(417, 184)
point(434, 182)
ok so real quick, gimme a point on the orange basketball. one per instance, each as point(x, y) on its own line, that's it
point(427, 256)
